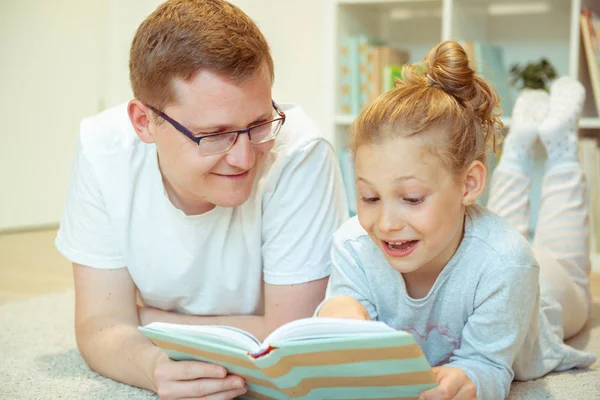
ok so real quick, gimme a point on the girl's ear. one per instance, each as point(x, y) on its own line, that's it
point(139, 115)
point(474, 181)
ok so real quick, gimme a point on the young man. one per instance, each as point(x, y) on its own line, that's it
point(185, 197)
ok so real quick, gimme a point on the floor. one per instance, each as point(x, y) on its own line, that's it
point(30, 265)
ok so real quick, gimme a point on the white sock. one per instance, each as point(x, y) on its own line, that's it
point(558, 132)
point(529, 111)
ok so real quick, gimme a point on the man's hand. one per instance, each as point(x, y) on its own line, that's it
point(343, 307)
point(195, 380)
point(453, 384)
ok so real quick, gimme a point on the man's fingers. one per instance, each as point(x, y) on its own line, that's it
point(201, 388)
point(228, 395)
point(189, 370)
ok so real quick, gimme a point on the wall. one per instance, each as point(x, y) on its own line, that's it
point(296, 32)
point(50, 74)
point(67, 59)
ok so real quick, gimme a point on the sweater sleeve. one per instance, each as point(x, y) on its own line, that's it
point(505, 307)
point(348, 276)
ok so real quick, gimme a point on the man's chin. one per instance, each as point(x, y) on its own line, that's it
point(232, 200)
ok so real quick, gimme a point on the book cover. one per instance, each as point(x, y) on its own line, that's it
point(389, 76)
point(316, 358)
point(386, 56)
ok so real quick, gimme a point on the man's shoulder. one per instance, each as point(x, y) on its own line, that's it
point(299, 149)
point(108, 132)
point(298, 132)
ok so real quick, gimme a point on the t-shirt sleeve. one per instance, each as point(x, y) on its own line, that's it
point(85, 236)
point(348, 277)
point(300, 216)
point(505, 305)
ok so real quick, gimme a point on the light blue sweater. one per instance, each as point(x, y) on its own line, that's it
point(487, 312)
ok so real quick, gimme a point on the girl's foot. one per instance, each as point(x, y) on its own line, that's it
point(558, 132)
point(531, 108)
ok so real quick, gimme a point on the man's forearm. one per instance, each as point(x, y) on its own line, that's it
point(254, 324)
point(118, 351)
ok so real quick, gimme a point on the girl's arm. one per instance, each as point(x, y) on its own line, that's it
point(348, 292)
point(506, 309)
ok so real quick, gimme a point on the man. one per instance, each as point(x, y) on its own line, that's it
point(185, 197)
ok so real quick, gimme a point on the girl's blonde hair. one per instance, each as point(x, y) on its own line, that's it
point(443, 98)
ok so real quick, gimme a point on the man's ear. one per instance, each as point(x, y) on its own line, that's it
point(474, 181)
point(140, 117)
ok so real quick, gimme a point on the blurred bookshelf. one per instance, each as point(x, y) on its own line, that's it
point(518, 31)
point(497, 34)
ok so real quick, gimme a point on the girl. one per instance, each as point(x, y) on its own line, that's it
point(422, 257)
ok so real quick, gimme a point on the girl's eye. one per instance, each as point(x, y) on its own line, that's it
point(414, 200)
point(369, 200)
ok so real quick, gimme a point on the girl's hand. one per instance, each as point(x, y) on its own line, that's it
point(453, 384)
point(343, 307)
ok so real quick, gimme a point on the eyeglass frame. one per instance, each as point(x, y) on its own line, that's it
point(193, 136)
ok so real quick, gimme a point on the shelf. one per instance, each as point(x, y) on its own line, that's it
point(584, 123)
point(382, 2)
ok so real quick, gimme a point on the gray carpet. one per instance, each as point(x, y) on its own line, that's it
point(39, 359)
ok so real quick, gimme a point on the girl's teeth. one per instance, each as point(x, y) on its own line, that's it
point(404, 245)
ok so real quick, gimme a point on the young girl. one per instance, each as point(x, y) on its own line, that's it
point(422, 257)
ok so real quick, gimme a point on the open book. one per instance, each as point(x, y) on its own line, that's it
point(312, 358)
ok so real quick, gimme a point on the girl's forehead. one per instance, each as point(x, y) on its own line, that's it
point(395, 158)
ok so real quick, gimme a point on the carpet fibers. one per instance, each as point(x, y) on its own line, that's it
point(39, 359)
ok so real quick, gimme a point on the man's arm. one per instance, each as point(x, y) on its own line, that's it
point(106, 322)
point(106, 326)
point(283, 303)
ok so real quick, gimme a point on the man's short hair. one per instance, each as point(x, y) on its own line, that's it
point(182, 37)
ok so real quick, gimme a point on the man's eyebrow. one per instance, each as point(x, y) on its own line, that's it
point(219, 128)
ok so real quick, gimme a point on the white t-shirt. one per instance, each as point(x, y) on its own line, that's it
point(117, 214)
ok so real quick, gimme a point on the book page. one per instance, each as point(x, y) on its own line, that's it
point(321, 328)
point(226, 335)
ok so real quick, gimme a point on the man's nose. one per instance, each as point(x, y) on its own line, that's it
point(241, 154)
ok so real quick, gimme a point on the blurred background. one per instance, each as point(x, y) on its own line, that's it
point(62, 60)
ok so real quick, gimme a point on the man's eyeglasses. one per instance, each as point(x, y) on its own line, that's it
point(217, 143)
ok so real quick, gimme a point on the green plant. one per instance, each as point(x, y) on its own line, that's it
point(534, 75)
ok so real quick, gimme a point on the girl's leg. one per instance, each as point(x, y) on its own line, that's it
point(562, 230)
point(511, 183)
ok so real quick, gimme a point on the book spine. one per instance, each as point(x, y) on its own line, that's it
point(588, 45)
point(365, 65)
point(354, 76)
point(345, 98)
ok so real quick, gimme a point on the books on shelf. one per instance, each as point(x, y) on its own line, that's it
point(313, 358)
point(346, 162)
point(366, 71)
point(590, 37)
point(589, 156)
